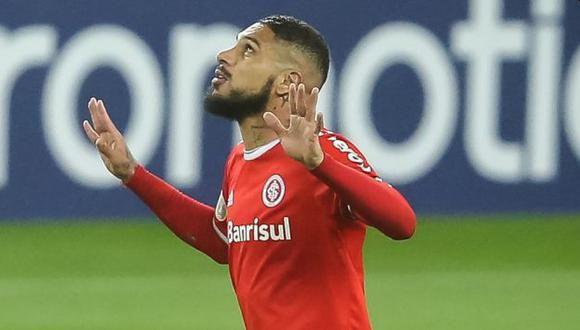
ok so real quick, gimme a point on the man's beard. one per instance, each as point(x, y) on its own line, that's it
point(239, 105)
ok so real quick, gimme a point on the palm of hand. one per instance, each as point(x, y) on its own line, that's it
point(109, 142)
point(300, 138)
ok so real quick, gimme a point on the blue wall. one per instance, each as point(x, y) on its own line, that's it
point(466, 106)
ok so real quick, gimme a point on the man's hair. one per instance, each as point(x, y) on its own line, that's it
point(302, 35)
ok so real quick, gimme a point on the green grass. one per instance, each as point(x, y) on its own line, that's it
point(457, 273)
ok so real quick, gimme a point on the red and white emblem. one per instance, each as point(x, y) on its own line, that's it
point(273, 191)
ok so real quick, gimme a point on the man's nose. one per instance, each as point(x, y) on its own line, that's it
point(225, 57)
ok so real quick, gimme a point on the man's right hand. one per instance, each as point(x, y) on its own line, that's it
point(109, 142)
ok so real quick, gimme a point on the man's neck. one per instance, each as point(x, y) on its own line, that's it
point(254, 130)
point(255, 133)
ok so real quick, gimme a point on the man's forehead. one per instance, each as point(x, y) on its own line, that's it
point(257, 31)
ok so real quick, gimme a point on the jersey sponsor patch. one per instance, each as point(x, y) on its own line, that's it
point(221, 211)
point(273, 191)
point(257, 231)
point(352, 155)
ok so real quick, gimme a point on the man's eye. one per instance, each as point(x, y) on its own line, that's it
point(248, 49)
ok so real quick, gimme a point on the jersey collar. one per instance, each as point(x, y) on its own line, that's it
point(259, 151)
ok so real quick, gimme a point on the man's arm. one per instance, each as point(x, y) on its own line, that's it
point(379, 204)
point(187, 218)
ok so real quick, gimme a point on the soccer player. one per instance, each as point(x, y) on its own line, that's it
point(296, 198)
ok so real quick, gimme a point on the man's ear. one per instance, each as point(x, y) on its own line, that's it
point(287, 78)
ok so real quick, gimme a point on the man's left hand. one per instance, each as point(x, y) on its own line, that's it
point(300, 138)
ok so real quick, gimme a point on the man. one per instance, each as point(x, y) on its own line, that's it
point(296, 198)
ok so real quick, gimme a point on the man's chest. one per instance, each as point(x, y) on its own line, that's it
point(262, 191)
point(280, 202)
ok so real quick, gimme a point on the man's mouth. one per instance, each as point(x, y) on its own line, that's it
point(219, 77)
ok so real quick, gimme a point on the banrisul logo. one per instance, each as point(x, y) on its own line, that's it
point(273, 191)
point(257, 231)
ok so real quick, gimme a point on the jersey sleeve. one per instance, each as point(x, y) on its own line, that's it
point(362, 193)
point(189, 219)
point(344, 151)
point(347, 153)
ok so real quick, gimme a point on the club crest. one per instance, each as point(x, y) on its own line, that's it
point(273, 191)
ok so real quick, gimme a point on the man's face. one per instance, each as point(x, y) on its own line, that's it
point(244, 79)
point(248, 65)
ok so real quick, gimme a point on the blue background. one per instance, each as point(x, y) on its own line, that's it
point(38, 188)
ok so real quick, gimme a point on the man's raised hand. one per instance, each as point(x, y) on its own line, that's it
point(300, 138)
point(109, 142)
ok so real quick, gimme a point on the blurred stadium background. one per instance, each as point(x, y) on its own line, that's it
point(471, 108)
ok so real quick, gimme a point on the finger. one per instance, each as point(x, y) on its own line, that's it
point(311, 104)
point(107, 122)
point(91, 134)
point(301, 100)
point(292, 98)
point(274, 123)
point(101, 120)
point(319, 123)
point(93, 109)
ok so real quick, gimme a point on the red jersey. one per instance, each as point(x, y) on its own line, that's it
point(295, 251)
point(291, 239)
